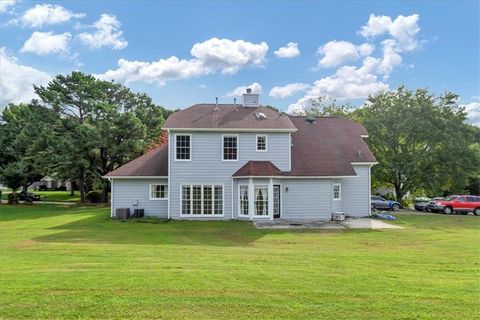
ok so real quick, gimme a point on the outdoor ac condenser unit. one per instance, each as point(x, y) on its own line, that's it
point(339, 216)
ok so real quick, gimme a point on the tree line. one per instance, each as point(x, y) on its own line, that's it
point(81, 128)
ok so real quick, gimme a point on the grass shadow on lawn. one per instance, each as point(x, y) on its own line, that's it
point(100, 229)
point(40, 211)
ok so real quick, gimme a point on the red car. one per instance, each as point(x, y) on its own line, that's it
point(452, 204)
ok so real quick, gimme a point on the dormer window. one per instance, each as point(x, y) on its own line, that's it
point(230, 147)
point(183, 147)
point(261, 142)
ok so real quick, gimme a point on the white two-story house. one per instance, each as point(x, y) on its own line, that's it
point(228, 161)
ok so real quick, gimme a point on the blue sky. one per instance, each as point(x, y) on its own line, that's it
point(182, 53)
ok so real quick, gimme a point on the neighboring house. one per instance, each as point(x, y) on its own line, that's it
point(228, 161)
point(51, 183)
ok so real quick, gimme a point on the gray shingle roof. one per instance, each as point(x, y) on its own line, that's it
point(228, 116)
point(152, 163)
point(326, 147)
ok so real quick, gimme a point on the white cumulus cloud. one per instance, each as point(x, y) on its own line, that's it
point(473, 112)
point(238, 91)
point(350, 82)
point(6, 4)
point(403, 29)
point(107, 34)
point(43, 14)
point(214, 55)
point(288, 90)
point(369, 78)
point(289, 51)
point(227, 55)
point(43, 43)
point(335, 53)
point(16, 80)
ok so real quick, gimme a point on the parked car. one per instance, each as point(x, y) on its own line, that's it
point(458, 203)
point(424, 204)
point(381, 203)
point(22, 196)
point(421, 203)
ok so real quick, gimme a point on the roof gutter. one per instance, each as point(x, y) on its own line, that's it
point(295, 177)
point(229, 129)
point(135, 177)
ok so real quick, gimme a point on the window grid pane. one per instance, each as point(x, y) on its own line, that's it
point(261, 201)
point(183, 147)
point(159, 191)
point(218, 200)
point(197, 199)
point(186, 199)
point(262, 143)
point(336, 191)
point(207, 199)
point(244, 200)
point(202, 200)
point(276, 200)
point(229, 148)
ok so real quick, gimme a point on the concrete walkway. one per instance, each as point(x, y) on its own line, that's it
point(364, 223)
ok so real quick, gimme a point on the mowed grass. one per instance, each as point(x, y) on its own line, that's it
point(74, 262)
point(61, 196)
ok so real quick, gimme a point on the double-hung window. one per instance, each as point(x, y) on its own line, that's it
point(202, 200)
point(337, 191)
point(230, 147)
point(183, 147)
point(261, 143)
point(158, 191)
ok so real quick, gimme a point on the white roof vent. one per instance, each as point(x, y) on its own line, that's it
point(250, 99)
point(260, 115)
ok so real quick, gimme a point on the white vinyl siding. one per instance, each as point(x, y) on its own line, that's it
point(135, 194)
point(306, 199)
point(356, 192)
point(207, 167)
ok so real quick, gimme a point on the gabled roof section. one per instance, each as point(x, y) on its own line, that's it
point(327, 147)
point(152, 164)
point(229, 117)
point(258, 169)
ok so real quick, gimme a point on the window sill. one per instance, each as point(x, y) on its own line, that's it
point(156, 199)
point(201, 215)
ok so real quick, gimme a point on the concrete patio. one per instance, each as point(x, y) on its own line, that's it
point(363, 223)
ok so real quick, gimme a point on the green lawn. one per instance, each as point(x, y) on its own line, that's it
point(74, 262)
point(63, 196)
